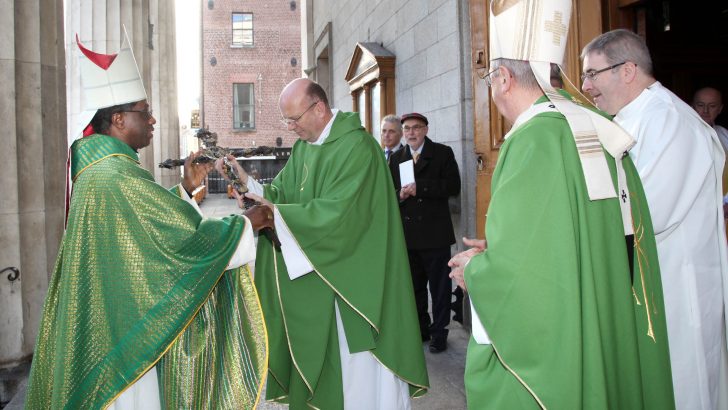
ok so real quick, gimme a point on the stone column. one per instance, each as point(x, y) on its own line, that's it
point(32, 107)
point(150, 27)
point(164, 86)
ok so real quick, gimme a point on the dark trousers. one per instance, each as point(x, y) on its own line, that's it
point(430, 265)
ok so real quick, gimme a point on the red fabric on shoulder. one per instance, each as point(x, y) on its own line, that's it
point(89, 130)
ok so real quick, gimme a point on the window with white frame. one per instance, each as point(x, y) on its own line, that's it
point(242, 30)
point(243, 106)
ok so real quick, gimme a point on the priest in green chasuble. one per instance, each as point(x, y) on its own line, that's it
point(150, 305)
point(565, 316)
point(337, 296)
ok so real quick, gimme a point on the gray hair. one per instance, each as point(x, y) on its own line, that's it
point(393, 119)
point(520, 70)
point(621, 45)
point(555, 76)
point(316, 92)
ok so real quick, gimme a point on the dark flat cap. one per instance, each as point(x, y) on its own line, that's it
point(414, 115)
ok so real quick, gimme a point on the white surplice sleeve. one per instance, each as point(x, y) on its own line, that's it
point(245, 252)
point(297, 263)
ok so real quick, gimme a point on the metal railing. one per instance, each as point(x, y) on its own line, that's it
point(263, 169)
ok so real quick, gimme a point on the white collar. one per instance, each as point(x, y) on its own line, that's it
point(636, 106)
point(327, 129)
point(418, 150)
point(531, 112)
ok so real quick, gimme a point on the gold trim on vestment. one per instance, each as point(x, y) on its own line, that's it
point(101, 159)
point(285, 324)
point(343, 298)
point(421, 387)
point(639, 231)
point(212, 289)
point(336, 291)
point(305, 175)
point(276, 399)
point(535, 396)
point(326, 281)
point(264, 376)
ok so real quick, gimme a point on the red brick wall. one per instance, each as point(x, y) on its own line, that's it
point(277, 39)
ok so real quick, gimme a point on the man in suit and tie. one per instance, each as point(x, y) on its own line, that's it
point(427, 225)
point(391, 135)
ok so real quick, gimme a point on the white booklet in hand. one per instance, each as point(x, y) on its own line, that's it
point(406, 173)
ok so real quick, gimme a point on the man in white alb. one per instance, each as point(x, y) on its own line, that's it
point(708, 102)
point(680, 161)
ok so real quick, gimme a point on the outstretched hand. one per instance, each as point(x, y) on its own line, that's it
point(194, 174)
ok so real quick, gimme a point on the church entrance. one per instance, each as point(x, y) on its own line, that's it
point(688, 42)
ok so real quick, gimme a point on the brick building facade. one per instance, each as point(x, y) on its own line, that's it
point(250, 51)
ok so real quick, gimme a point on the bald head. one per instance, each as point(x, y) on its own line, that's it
point(305, 108)
point(708, 102)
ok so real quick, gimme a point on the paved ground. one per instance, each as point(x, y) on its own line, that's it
point(445, 369)
point(446, 376)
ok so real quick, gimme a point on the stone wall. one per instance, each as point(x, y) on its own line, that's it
point(150, 25)
point(431, 42)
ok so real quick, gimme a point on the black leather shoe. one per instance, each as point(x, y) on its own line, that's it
point(457, 305)
point(425, 337)
point(438, 344)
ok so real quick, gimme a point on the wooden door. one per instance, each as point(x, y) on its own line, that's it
point(486, 150)
point(489, 126)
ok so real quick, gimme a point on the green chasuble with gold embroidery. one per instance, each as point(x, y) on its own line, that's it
point(339, 203)
point(140, 281)
point(570, 328)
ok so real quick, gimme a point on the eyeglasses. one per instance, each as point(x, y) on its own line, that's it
point(291, 121)
point(592, 74)
point(147, 113)
point(413, 128)
point(487, 78)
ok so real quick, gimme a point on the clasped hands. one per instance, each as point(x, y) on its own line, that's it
point(460, 260)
